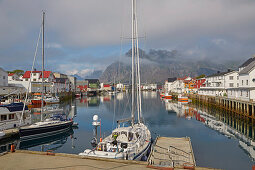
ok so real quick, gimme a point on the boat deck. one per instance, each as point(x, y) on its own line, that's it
point(172, 152)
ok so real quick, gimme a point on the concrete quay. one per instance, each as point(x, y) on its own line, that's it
point(23, 159)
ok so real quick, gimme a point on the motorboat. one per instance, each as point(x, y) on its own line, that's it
point(11, 115)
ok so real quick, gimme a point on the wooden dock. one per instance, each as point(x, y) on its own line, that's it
point(172, 152)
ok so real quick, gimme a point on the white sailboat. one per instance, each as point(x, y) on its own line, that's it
point(132, 142)
point(55, 124)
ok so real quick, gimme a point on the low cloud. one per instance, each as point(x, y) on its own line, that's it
point(53, 45)
point(223, 31)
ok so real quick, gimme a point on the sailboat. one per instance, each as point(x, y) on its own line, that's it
point(54, 124)
point(132, 142)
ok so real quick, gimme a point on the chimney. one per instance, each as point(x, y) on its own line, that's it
point(218, 71)
point(229, 70)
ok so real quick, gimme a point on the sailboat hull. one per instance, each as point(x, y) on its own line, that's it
point(29, 133)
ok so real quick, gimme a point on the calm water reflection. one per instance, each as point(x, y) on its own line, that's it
point(219, 140)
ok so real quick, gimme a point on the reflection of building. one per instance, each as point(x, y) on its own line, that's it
point(90, 101)
point(249, 148)
point(232, 127)
point(119, 96)
point(178, 108)
point(149, 94)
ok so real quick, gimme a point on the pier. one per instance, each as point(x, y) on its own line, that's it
point(240, 107)
point(172, 152)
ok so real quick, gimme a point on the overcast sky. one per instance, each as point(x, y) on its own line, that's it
point(84, 35)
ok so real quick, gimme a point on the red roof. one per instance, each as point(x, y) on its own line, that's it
point(183, 78)
point(107, 85)
point(46, 74)
point(11, 74)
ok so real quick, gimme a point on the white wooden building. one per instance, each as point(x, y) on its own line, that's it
point(245, 89)
point(218, 83)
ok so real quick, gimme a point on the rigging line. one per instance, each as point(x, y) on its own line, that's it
point(138, 69)
point(133, 80)
point(121, 40)
point(29, 83)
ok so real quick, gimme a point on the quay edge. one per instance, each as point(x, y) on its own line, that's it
point(61, 160)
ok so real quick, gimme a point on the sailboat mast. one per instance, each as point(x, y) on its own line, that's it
point(133, 75)
point(42, 63)
point(139, 95)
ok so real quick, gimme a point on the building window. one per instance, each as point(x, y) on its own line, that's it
point(237, 84)
point(241, 92)
point(34, 74)
point(11, 116)
point(231, 77)
point(231, 84)
point(247, 82)
point(3, 77)
point(3, 117)
point(26, 79)
point(237, 77)
point(247, 94)
point(242, 82)
point(34, 79)
point(231, 92)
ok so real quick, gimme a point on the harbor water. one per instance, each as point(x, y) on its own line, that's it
point(219, 140)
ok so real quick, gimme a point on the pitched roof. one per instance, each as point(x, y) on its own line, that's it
point(220, 73)
point(46, 74)
point(183, 78)
point(11, 74)
point(172, 79)
point(246, 63)
point(248, 68)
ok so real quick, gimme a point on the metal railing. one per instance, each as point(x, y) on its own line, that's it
point(170, 156)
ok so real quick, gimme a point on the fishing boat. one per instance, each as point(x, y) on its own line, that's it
point(131, 142)
point(168, 96)
point(162, 94)
point(37, 99)
point(50, 125)
point(183, 99)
